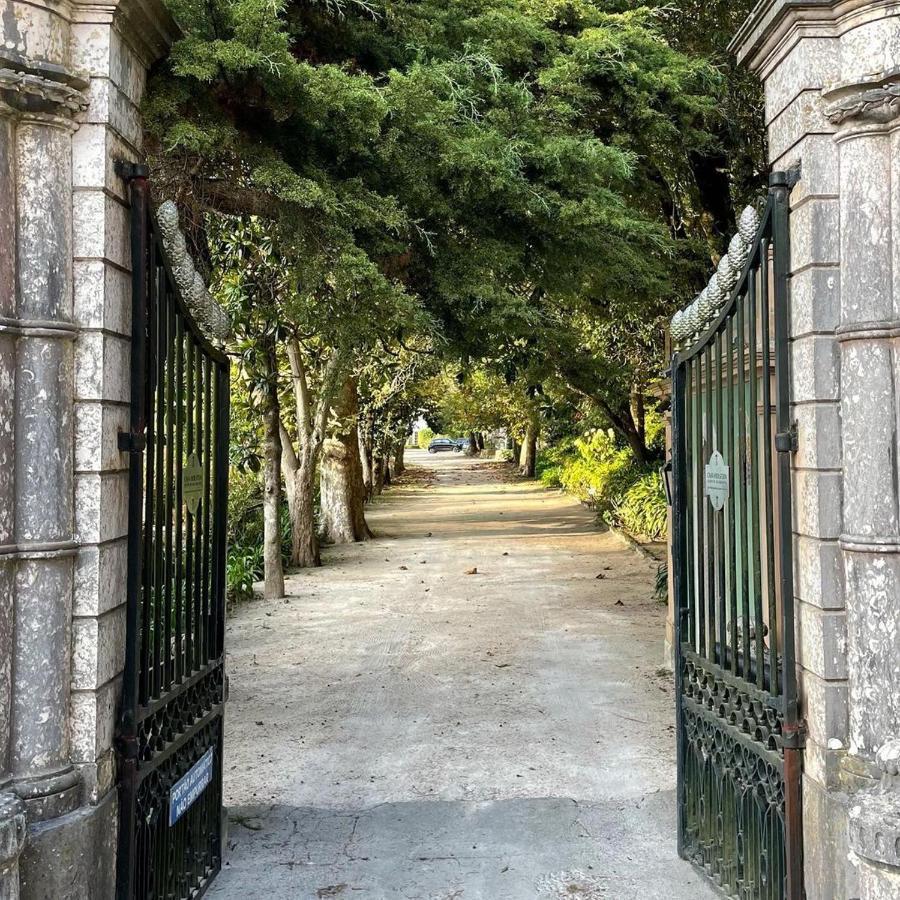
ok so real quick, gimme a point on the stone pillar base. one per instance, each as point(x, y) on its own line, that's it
point(12, 840)
point(72, 857)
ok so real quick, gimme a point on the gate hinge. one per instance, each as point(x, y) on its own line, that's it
point(129, 170)
point(132, 443)
point(127, 745)
point(793, 737)
point(787, 441)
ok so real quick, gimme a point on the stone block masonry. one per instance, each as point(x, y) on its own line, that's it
point(71, 78)
point(833, 108)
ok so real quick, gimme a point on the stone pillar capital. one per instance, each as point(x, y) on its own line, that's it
point(872, 105)
point(30, 97)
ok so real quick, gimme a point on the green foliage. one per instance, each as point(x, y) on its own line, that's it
point(600, 472)
point(661, 591)
point(244, 562)
point(506, 197)
point(243, 568)
point(244, 508)
point(424, 438)
point(642, 509)
point(593, 468)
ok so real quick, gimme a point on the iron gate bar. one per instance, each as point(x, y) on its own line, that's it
point(739, 734)
point(174, 682)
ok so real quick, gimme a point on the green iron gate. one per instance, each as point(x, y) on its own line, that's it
point(739, 734)
point(170, 727)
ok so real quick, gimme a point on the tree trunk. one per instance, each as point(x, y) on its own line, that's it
point(528, 458)
point(636, 445)
point(378, 472)
point(364, 460)
point(479, 440)
point(342, 491)
point(273, 569)
point(473, 444)
point(399, 458)
point(304, 541)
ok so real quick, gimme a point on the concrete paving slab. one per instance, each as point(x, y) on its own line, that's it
point(400, 729)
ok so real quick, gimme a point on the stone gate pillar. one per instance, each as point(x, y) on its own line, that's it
point(832, 105)
point(71, 78)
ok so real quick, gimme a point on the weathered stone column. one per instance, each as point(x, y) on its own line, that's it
point(71, 79)
point(36, 529)
point(867, 115)
point(832, 102)
point(868, 335)
point(12, 813)
point(39, 747)
point(7, 431)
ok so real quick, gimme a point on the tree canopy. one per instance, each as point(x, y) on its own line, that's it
point(516, 192)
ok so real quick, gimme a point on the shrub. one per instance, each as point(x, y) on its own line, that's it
point(243, 568)
point(642, 508)
point(244, 562)
point(601, 473)
point(592, 468)
point(424, 438)
point(244, 508)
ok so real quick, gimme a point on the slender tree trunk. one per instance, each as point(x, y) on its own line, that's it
point(473, 444)
point(364, 460)
point(273, 568)
point(638, 414)
point(312, 419)
point(479, 440)
point(528, 458)
point(399, 458)
point(342, 491)
point(378, 472)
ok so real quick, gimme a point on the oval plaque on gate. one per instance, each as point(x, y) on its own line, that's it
point(717, 480)
point(192, 483)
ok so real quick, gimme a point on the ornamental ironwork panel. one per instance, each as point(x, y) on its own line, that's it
point(739, 734)
point(170, 726)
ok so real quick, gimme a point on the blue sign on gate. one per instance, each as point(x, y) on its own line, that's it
point(190, 786)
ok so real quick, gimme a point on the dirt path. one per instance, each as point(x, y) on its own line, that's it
point(398, 728)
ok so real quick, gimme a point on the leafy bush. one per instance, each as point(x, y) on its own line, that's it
point(603, 474)
point(244, 563)
point(642, 508)
point(593, 468)
point(243, 568)
point(424, 438)
point(662, 583)
point(245, 501)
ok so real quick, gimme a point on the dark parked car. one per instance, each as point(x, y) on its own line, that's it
point(440, 444)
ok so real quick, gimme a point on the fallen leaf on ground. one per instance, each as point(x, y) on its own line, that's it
point(472, 571)
point(601, 576)
point(619, 603)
